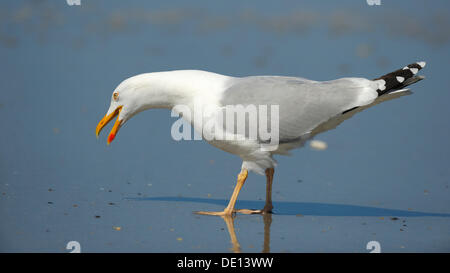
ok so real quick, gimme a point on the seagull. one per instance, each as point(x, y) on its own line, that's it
point(305, 109)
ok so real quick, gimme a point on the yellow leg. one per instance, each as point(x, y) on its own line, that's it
point(268, 206)
point(229, 210)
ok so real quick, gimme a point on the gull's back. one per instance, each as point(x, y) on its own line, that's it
point(303, 104)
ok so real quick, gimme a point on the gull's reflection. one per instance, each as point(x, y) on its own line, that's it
point(267, 218)
point(235, 246)
point(229, 220)
point(293, 208)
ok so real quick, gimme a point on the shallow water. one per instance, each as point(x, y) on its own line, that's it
point(105, 220)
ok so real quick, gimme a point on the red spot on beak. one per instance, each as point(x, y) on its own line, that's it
point(111, 137)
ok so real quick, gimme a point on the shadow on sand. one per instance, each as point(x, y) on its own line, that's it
point(304, 208)
point(291, 208)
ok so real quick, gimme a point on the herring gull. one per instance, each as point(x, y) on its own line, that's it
point(305, 108)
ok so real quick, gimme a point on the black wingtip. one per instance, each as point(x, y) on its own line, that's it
point(400, 78)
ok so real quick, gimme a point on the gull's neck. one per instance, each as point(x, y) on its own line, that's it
point(180, 87)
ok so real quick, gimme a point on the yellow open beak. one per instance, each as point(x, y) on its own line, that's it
point(105, 120)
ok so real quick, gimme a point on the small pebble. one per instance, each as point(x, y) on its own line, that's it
point(318, 145)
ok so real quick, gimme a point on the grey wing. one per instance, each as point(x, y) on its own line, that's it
point(303, 104)
point(334, 122)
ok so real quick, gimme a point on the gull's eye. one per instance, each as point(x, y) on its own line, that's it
point(115, 96)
